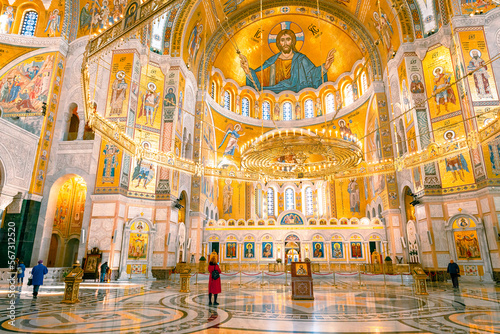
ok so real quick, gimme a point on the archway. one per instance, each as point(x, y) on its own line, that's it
point(469, 247)
point(67, 222)
point(292, 248)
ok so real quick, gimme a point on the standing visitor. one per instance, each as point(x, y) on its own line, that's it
point(214, 286)
point(454, 271)
point(20, 272)
point(38, 272)
point(104, 271)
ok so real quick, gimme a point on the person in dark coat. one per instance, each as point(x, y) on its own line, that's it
point(38, 272)
point(214, 286)
point(21, 268)
point(104, 270)
point(454, 272)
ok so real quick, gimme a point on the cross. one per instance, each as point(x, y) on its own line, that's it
point(175, 53)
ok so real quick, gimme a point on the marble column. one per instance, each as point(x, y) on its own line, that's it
point(81, 125)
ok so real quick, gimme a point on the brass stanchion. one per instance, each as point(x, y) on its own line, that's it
point(402, 283)
point(334, 278)
point(196, 282)
point(240, 278)
point(262, 282)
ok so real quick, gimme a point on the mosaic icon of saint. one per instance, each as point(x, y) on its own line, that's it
point(267, 252)
point(119, 93)
point(318, 252)
point(232, 143)
point(6, 20)
point(443, 92)
point(150, 102)
point(481, 76)
point(85, 18)
point(456, 164)
point(288, 69)
point(53, 23)
point(110, 163)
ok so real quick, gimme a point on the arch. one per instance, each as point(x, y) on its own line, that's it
point(289, 198)
point(29, 23)
point(330, 103)
point(71, 252)
point(271, 202)
point(309, 108)
point(266, 110)
point(309, 207)
point(245, 107)
point(53, 250)
point(227, 100)
point(287, 111)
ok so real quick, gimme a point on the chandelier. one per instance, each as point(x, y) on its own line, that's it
point(296, 153)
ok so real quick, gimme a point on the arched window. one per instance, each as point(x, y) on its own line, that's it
point(245, 107)
point(258, 202)
point(309, 202)
point(364, 83)
point(309, 108)
point(212, 90)
point(266, 110)
point(330, 103)
point(227, 100)
point(287, 111)
point(289, 199)
point(270, 202)
point(29, 23)
point(348, 95)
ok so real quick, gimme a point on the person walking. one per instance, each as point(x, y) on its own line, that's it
point(104, 270)
point(214, 286)
point(38, 272)
point(454, 272)
point(21, 268)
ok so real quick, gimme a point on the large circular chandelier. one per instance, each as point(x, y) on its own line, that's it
point(296, 153)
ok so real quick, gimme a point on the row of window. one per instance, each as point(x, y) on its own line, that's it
point(289, 201)
point(350, 94)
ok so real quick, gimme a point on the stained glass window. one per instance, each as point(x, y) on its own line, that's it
point(245, 107)
point(270, 202)
point(289, 199)
point(227, 100)
point(212, 90)
point(348, 95)
point(309, 202)
point(309, 108)
point(287, 111)
point(266, 110)
point(330, 103)
point(364, 83)
point(29, 23)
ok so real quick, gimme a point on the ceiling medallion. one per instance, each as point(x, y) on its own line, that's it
point(295, 153)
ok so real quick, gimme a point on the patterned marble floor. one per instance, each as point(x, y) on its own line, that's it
point(158, 307)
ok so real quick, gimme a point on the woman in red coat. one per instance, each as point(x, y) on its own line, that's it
point(214, 286)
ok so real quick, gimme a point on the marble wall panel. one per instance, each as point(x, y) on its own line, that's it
point(103, 209)
point(161, 214)
point(395, 220)
point(490, 233)
point(171, 260)
point(173, 237)
point(121, 210)
point(469, 207)
point(443, 260)
point(496, 201)
point(160, 237)
point(485, 206)
point(158, 260)
point(440, 240)
point(119, 234)
point(420, 212)
point(495, 260)
point(135, 211)
point(427, 260)
point(397, 240)
point(100, 233)
point(436, 211)
point(424, 241)
point(116, 259)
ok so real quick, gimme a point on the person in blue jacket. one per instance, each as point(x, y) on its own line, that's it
point(21, 268)
point(38, 272)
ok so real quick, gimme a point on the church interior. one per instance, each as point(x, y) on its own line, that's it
point(360, 138)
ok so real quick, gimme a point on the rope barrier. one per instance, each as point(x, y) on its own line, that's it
point(251, 274)
point(322, 274)
point(370, 274)
point(352, 274)
point(274, 275)
point(226, 274)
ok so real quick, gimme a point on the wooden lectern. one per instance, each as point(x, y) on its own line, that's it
point(302, 282)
